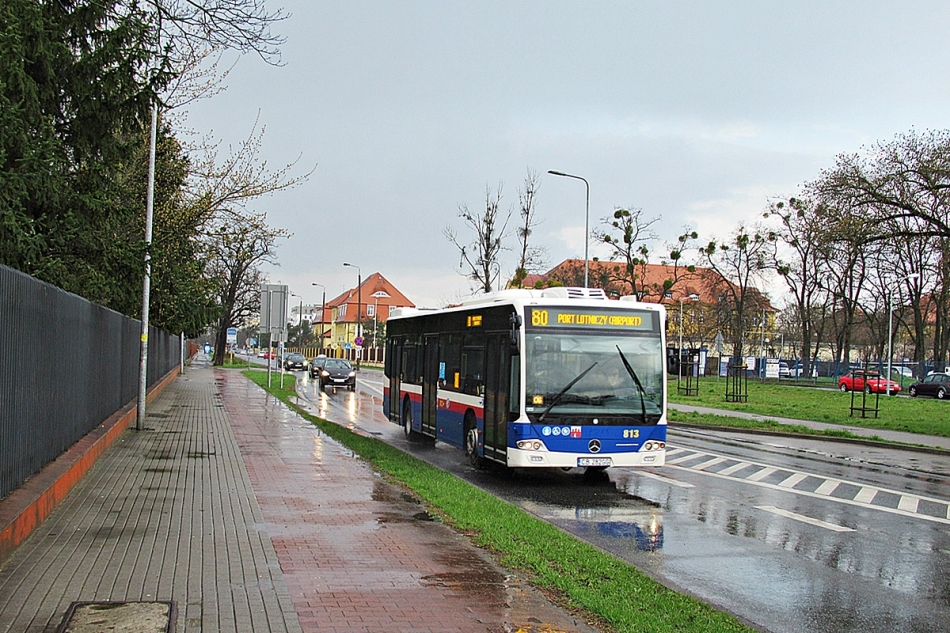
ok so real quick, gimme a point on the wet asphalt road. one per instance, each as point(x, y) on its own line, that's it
point(788, 534)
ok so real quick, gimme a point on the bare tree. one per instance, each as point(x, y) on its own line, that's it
point(802, 231)
point(680, 269)
point(490, 229)
point(186, 29)
point(901, 189)
point(532, 258)
point(235, 249)
point(628, 234)
point(738, 263)
point(223, 186)
point(906, 179)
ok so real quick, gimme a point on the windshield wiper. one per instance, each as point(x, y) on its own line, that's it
point(633, 374)
point(564, 390)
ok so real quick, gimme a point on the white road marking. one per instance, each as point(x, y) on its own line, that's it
point(708, 463)
point(866, 495)
point(827, 487)
point(666, 480)
point(908, 503)
point(681, 459)
point(734, 468)
point(805, 519)
point(762, 474)
point(790, 482)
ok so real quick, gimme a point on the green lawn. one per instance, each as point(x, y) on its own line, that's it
point(611, 593)
point(787, 400)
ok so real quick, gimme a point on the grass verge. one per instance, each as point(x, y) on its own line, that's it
point(614, 594)
point(725, 421)
point(923, 416)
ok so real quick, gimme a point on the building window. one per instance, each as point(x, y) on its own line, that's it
point(391, 308)
point(370, 310)
point(342, 311)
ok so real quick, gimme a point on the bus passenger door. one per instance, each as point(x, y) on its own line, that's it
point(430, 385)
point(397, 368)
point(497, 381)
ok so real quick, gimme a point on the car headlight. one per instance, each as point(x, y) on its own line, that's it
point(324, 373)
point(352, 373)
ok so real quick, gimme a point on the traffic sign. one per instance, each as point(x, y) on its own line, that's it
point(359, 340)
point(232, 335)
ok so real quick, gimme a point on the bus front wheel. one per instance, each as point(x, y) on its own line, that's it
point(471, 442)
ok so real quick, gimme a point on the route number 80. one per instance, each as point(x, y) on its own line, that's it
point(539, 317)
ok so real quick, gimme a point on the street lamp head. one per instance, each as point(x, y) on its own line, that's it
point(556, 173)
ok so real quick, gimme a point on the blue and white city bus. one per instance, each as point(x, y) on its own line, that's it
point(553, 378)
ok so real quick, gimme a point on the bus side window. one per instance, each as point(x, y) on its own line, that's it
point(473, 364)
point(451, 355)
point(409, 365)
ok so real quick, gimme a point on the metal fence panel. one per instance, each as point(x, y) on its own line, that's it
point(66, 365)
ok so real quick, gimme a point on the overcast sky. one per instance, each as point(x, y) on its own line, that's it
point(696, 112)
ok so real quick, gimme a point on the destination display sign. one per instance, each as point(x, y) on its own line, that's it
point(588, 318)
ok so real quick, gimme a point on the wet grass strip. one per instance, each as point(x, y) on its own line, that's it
point(579, 575)
point(786, 400)
point(725, 421)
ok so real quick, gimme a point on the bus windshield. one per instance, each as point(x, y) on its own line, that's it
point(582, 378)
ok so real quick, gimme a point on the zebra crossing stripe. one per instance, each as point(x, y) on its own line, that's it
point(762, 474)
point(866, 495)
point(908, 504)
point(711, 462)
point(734, 468)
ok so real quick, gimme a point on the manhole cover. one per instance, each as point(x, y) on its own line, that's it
point(119, 617)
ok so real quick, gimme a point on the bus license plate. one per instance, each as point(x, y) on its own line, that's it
point(593, 461)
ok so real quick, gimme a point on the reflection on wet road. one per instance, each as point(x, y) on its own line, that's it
point(791, 535)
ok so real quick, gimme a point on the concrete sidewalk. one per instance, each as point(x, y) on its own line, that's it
point(247, 518)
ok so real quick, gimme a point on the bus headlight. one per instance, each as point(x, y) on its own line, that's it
point(654, 446)
point(530, 445)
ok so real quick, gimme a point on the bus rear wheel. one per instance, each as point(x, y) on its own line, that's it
point(407, 422)
point(471, 442)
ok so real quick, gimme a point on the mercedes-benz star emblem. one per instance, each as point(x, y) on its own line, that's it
point(594, 446)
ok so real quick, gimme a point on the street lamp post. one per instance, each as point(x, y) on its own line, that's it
point(890, 329)
point(586, 220)
point(359, 305)
point(323, 302)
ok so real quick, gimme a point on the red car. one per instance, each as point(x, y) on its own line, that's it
point(870, 381)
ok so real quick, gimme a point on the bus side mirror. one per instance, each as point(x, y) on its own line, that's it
point(513, 346)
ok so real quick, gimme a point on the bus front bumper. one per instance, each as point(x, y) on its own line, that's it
point(545, 459)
